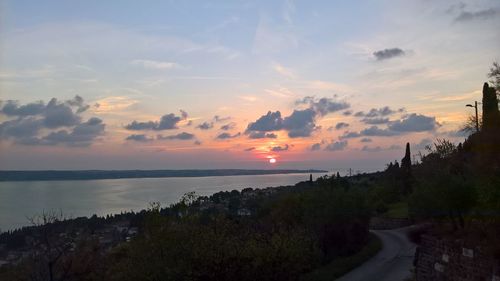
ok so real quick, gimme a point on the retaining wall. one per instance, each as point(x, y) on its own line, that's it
point(445, 259)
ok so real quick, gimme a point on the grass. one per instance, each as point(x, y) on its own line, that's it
point(397, 210)
point(343, 265)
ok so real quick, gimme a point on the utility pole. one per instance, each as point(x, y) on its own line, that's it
point(477, 117)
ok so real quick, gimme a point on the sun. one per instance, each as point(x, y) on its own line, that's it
point(272, 160)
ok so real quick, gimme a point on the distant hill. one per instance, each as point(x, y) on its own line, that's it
point(129, 174)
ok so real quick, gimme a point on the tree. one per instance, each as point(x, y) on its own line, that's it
point(494, 74)
point(469, 126)
point(443, 196)
point(491, 115)
point(406, 170)
point(57, 253)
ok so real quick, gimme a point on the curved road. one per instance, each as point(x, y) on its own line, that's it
point(392, 263)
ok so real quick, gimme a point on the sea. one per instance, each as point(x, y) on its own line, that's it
point(22, 200)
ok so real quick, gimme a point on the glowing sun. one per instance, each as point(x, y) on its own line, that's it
point(272, 160)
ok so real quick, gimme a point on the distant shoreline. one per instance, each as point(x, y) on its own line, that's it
point(53, 175)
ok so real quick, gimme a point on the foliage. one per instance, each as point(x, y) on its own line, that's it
point(469, 125)
point(397, 210)
point(293, 233)
point(491, 114)
point(341, 266)
point(494, 74)
point(443, 197)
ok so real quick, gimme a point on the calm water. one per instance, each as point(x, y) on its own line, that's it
point(20, 200)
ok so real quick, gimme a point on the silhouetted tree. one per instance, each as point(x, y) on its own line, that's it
point(406, 171)
point(494, 74)
point(469, 125)
point(491, 116)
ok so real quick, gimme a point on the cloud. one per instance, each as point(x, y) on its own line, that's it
point(59, 115)
point(300, 123)
point(55, 114)
point(217, 118)
point(81, 135)
point(458, 133)
point(228, 126)
point(388, 53)
point(113, 104)
point(139, 126)
point(33, 118)
point(349, 135)
point(167, 122)
point(262, 135)
point(93, 127)
point(285, 71)
point(316, 146)
point(152, 64)
point(376, 131)
point(347, 113)
point(272, 121)
point(336, 146)
point(378, 112)
point(341, 125)
point(225, 136)
point(180, 136)
point(375, 121)
point(78, 102)
point(410, 123)
point(205, 126)
point(280, 148)
point(139, 138)
point(478, 15)
point(414, 123)
point(422, 144)
point(370, 131)
point(371, 149)
point(20, 128)
point(378, 148)
point(323, 106)
point(12, 108)
point(365, 140)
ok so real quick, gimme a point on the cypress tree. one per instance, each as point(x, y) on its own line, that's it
point(406, 170)
point(406, 161)
point(491, 115)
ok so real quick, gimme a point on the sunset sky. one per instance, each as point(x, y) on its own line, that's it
point(230, 84)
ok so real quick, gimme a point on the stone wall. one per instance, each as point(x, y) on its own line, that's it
point(381, 223)
point(443, 260)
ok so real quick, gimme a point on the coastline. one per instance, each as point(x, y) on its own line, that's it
point(60, 175)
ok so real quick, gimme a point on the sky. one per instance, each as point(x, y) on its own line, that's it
point(231, 84)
